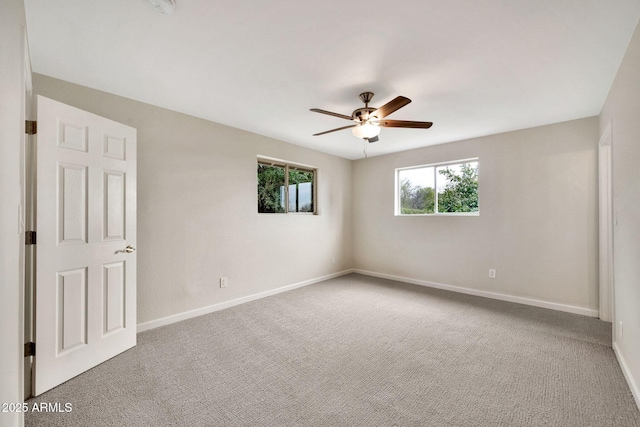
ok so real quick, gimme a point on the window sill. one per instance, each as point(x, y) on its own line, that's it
point(288, 213)
point(442, 214)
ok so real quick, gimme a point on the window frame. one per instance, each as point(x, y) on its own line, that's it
point(398, 201)
point(287, 165)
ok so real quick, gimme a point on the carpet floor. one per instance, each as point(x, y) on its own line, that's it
point(358, 351)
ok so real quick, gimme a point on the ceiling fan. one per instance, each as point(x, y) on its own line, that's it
point(369, 120)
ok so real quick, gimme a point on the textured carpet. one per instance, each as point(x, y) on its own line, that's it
point(358, 351)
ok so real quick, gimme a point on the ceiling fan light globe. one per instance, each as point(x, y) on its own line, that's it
point(366, 130)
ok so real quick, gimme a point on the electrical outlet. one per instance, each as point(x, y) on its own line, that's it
point(492, 273)
point(223, 282)
point(620, 329)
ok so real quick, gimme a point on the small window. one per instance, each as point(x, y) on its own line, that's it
point(444, 188)
point(285, 188)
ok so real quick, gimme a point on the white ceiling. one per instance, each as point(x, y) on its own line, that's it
point(472, 67)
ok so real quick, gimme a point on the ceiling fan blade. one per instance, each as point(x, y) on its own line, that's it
point(333, 130)
point(404, 124)
point(391, 106)
point(374, 139)
point(342, 116)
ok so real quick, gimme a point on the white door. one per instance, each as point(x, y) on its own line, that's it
point(86, 236)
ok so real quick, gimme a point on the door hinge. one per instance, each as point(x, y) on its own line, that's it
point(30, 238)
point(29, 349)
point(30, 127)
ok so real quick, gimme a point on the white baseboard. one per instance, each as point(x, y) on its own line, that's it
point(141, 327)
point(152, 324)
point(486, 294)
point(635, 391)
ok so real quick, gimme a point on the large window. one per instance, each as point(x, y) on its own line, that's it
point(445, 188)
point(285, 188)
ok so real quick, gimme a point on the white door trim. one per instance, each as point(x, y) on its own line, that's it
point(605, 203)
point(28, 217)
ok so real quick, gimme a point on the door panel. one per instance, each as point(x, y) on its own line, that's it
point(72, 204)
point(114, 212)
point(114, 296)
point(72, 310)
point(73, 136)
point(86, 216)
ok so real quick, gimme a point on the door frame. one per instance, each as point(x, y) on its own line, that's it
point(28, 182)
point(606, 221)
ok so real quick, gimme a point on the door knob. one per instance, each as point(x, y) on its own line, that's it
point(129, 249)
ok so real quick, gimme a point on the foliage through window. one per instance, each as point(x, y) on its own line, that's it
point(446, 188)
point(285, 188)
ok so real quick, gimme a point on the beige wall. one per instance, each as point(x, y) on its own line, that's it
point(12, 22)
point(197, 208)
point(622, 110)
point(537, 225)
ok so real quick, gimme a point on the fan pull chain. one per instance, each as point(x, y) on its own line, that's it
point(364, 148)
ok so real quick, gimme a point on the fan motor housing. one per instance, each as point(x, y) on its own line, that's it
point(362, 114)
